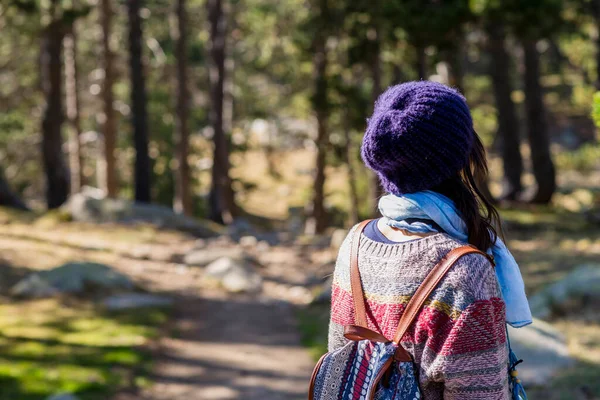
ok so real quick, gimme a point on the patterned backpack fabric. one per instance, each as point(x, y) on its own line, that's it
point(371, 367)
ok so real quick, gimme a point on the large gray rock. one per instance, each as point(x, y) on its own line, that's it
point(234, 275)
point(63, 396)
point(543, 350)
point(74, 278)
point(91, 206)
point(579, 288)
point(127, 301)
point(202, 257)
point(337, 238)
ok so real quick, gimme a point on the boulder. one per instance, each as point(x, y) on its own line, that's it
point(126, 301)
point(234, 275)
point(543, 350)
point(579, 288)
point(322, 294)
point(73, 278)
point(337, 238)
point(91, 205)
point(205, 256)
point(63, 396)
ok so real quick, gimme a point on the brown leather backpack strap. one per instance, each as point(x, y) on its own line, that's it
point(427, 287)
point(360, 311)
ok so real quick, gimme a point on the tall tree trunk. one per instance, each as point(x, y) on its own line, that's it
point(221, 198)
point(320, 104)
point(353, 212)
point(72, 103)
point(421, 62)
point(508, 125)
point(539, 142)
point(183, 200)
point(596, 13)
point(376, 189)
point(457, 71)
point(108, 174)
point(7, 197)
point(142, 173)
point(57, 173)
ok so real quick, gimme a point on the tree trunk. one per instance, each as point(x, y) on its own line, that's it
point(318, 212)
point(7, 197)
point(142, 173)
point(539, 143)
point(108, 173)
point(353, 212)
point(72, 103)
point(457, 71)
point(221, 198)
point(596, 13)
point(508, 125)
point(183, 200)
point(318, 215)
point(421, 62)
point(57, 174)
point(376, 189)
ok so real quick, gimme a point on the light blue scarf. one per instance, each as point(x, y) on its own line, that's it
point(430, 206)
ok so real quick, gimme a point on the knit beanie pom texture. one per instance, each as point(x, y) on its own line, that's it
point(420, 134)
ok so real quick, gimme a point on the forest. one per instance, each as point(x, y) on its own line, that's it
point(156, 138)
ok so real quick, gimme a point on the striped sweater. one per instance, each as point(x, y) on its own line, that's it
point(458, 341)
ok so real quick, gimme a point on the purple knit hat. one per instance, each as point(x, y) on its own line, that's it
point(420, 134)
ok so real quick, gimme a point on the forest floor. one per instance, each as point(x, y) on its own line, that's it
point(209, 345)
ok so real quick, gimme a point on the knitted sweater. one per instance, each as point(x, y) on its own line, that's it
point(458, 340)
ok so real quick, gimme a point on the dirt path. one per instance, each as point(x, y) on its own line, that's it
point(220, 346)
point(232, 349)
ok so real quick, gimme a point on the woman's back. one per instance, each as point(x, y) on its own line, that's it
point(458, 340)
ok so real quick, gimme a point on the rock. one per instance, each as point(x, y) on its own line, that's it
point(248, 241)
point(91, 206)
point(577, 289)
point(33, 287)
point(337, 238)
point(126, 301)
point(63, 396)
point(74, 278)
point(202, 257)
point(323, 293)
point(234, 275)
point(543, 350)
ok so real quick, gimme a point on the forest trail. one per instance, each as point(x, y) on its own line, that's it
point(232, 349)
point(216, 345)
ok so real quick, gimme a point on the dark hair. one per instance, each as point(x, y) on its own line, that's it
point(481, 217)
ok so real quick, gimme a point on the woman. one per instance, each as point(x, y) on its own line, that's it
point(421, 143)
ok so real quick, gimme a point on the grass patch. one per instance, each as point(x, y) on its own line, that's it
point(313, 323)
point(48, 347)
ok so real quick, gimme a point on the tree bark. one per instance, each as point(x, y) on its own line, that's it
point(57, 174)
point(376, 189)
point(539, 142)
point(318, 214)
point(353, 211)
point(183, 200)
point(7, 197)
point(508, 124)
point(457, 71)
point(221, 197)
point(595, 5)
point(142, 174)
point(72, 103)
point(108, 174)
point(421, 62)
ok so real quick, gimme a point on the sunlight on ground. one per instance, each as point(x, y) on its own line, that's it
point(47, 346)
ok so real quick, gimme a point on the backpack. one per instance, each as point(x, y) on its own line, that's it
point(371, 367)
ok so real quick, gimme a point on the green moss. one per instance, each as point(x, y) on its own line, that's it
point(47, 347)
